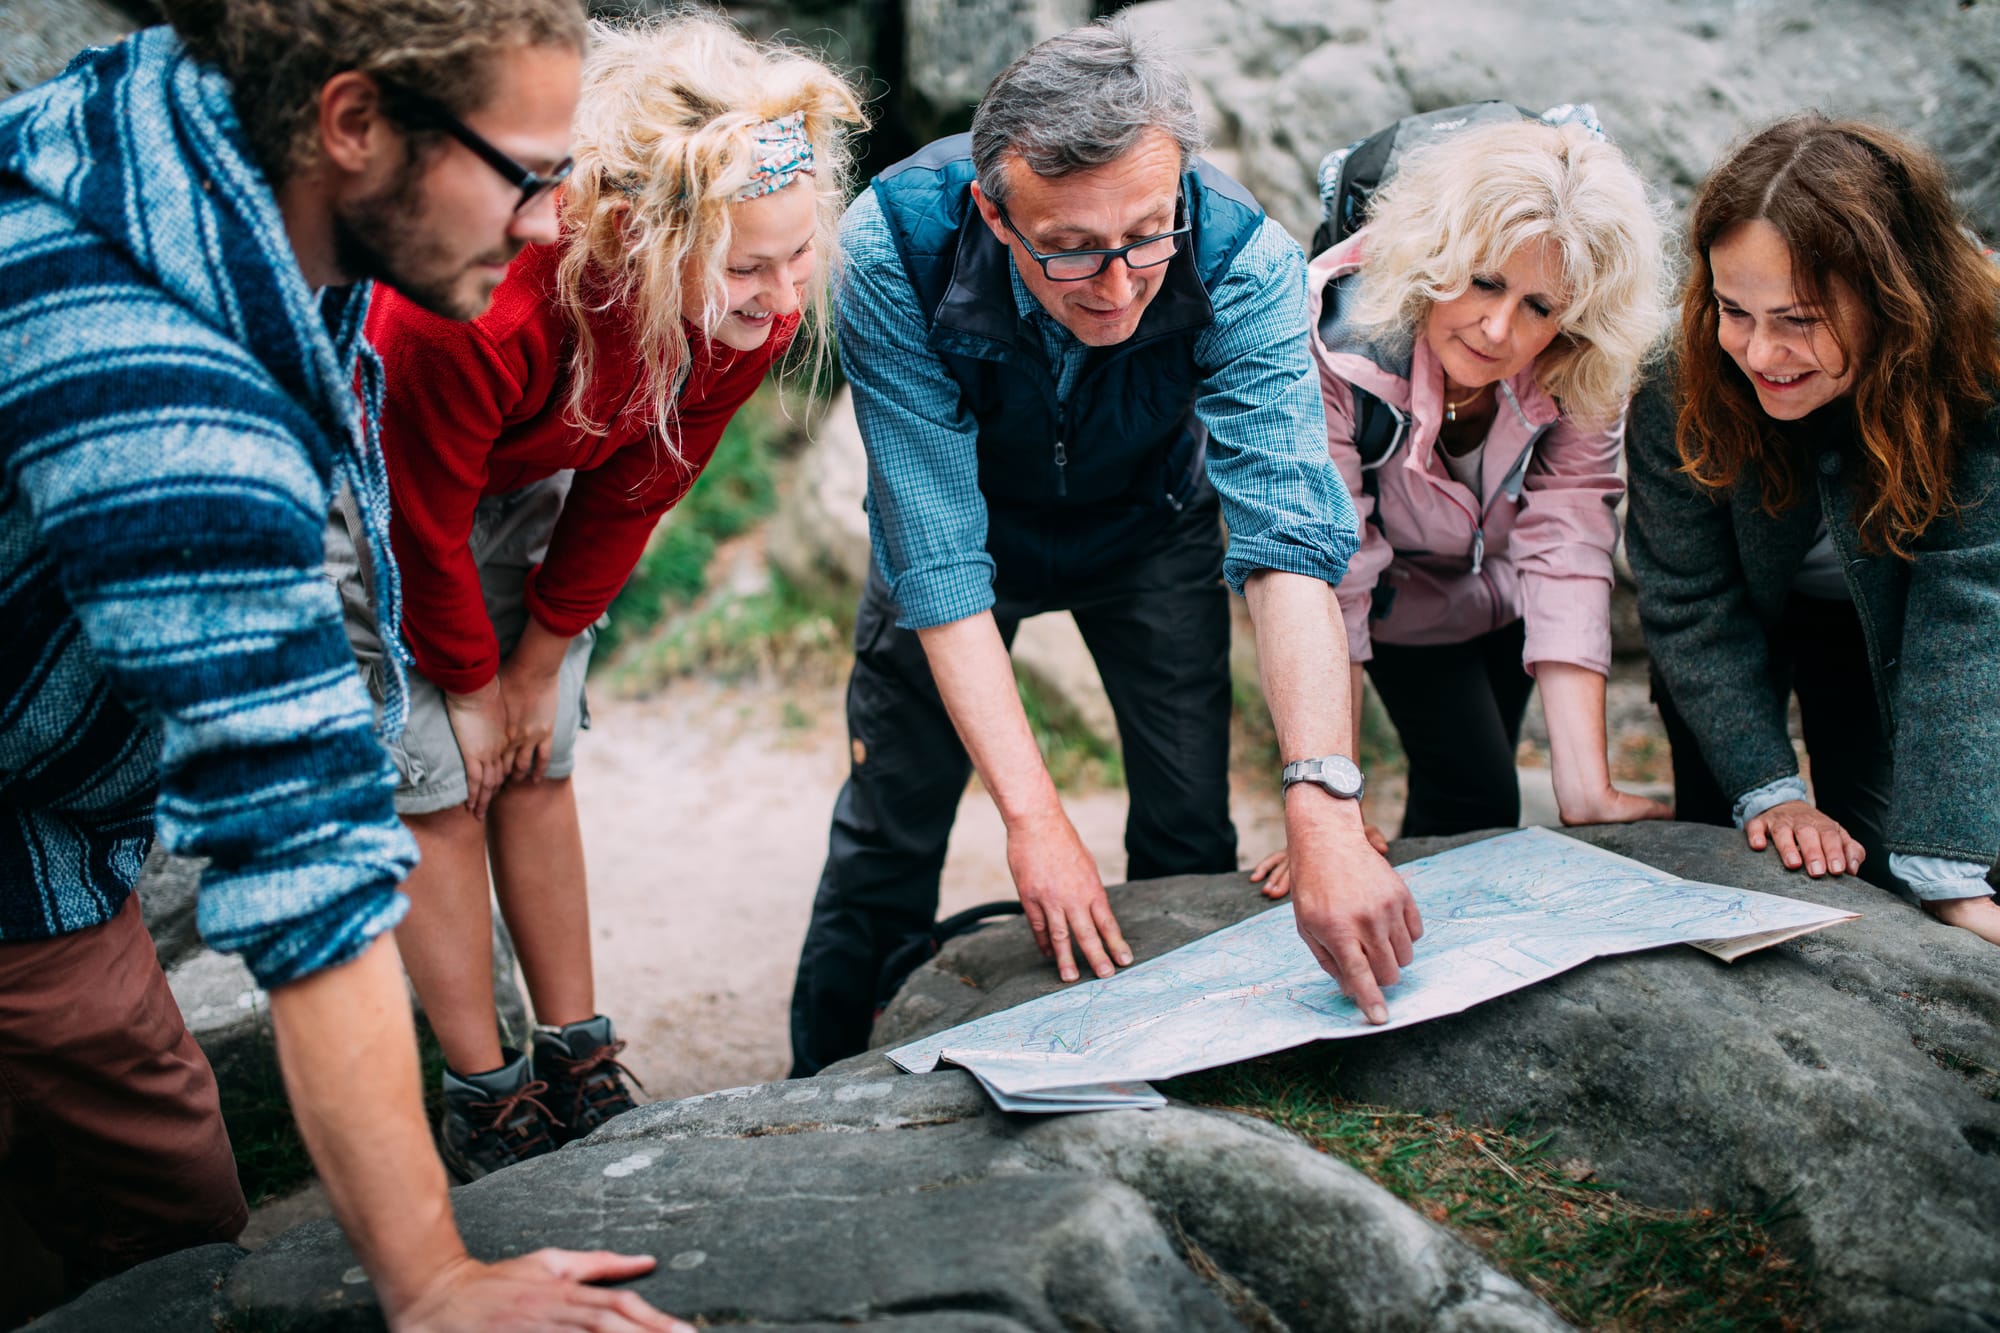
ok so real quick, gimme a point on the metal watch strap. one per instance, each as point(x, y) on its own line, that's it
point(1315, 772)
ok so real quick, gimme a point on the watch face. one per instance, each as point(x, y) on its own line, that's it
point(1341, 774)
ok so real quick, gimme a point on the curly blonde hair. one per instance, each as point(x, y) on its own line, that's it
point(664, 139)
point(1460, 207)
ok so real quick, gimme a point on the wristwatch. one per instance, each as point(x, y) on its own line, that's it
point(1335, 774)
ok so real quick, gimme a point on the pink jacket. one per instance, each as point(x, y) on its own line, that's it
point(1437, 563)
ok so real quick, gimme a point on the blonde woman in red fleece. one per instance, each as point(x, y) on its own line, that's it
point(531, 453)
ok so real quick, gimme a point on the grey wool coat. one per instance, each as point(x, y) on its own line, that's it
point(1713, 575)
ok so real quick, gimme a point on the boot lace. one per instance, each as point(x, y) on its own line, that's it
point(520, 1133)
point(597, 1081)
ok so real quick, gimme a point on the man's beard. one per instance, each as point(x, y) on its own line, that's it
point(384, 237)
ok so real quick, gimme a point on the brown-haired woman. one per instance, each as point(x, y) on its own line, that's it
point(1811, 512)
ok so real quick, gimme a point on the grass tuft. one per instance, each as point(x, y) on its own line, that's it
point(789, 634)
point(271, 1158)
point(1599, 1259)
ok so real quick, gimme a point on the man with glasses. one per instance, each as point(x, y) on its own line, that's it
point(187, 224)
point(1074, 348)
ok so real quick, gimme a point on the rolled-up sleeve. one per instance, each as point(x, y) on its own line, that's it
point(1259, 400)
point(926, 515)
point(1373, 556)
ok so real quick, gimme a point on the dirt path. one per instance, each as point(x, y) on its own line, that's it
point(705, 815)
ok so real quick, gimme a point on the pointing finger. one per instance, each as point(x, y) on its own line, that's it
point(1357, 978)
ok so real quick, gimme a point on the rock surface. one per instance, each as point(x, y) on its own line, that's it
point(176, 1295)
point(1845, 1080)
point(903, 1203)
point(1284, 81)
point(819, 536)
point(957, 47)
point(38, 37)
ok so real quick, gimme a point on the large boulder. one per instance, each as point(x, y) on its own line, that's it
point(176, 1295)
point(955, 48)
point(38, 37)
point(819, 536)
point(1283, 81)
point(1844, 1081)
point(901, 1203)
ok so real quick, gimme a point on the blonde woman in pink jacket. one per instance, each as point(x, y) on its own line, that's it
point(1480, 336)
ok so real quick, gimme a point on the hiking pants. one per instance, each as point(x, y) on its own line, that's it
point(1157, 625)
point(112, 1149)
point(1457, 709)
point(1820, 654)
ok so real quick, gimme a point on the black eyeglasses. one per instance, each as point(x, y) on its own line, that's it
point(1082, 265)
point(532, 185)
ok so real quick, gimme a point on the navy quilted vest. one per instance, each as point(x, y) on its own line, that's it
point(1130, 442)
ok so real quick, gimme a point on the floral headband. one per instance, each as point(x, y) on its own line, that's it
point(784, 153)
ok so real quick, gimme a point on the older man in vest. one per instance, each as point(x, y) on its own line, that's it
point(1075, 349)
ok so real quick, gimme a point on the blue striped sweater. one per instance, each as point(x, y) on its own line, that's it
point(177, 410)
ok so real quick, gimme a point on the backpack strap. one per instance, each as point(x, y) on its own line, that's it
point(920, 948)
point(1375, 437)
point(1377, 431)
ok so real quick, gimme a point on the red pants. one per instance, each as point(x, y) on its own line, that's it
point(112, 1148)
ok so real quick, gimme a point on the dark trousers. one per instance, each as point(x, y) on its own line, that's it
point(1818, 653)
point(1457, 709)
point(1157, 626)
point(112, 1149)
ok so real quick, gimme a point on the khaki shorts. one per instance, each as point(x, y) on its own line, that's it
point(510, 536)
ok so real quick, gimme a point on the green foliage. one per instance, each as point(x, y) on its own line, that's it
point(1599, 1259)
point(1077, 758)
point(1381, 747)
point(735, 490)
point(787, 633)
point(1253, 740)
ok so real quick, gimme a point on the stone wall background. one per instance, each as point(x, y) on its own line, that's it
point(1283, 81)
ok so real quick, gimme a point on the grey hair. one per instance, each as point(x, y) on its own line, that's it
point(1078, 101)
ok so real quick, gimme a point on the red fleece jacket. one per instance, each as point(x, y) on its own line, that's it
point(478, 409)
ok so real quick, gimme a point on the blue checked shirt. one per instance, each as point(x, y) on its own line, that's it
point(1258, 397)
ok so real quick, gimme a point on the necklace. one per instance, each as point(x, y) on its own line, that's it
point(1451, 408)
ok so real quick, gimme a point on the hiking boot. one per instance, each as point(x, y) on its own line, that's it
point(586, 1083)
point(494, 1119)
